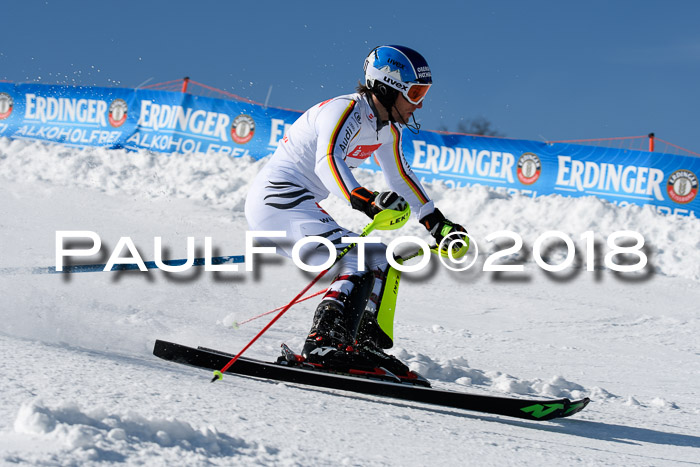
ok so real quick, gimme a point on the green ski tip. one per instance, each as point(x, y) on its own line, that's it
point(542, 410)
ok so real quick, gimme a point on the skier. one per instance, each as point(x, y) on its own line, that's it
point(315, 159)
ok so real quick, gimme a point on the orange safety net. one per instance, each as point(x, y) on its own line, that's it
point(200, 89)
point(637, 143)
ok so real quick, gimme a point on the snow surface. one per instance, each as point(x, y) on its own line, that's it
point(80, 387)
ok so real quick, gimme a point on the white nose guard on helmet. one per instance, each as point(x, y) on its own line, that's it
point(400, 68)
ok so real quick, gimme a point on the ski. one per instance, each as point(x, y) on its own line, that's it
point(377, 385)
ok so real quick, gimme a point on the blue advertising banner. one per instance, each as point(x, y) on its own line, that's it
point(184, 123)
point(173, 122)
point(159, 121)
point(667, 181)
point(78, 116)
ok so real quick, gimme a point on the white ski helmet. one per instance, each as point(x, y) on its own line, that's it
point(399, 68)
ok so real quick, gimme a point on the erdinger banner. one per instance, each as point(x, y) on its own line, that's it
point(159, 121)
point(79, 116)
point(666, 181)
point(173, 122)
point(184, 123)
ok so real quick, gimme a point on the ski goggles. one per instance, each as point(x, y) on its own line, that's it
point(416, 93)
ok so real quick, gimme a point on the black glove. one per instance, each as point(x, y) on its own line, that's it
point(440, 227)
point(372, 203)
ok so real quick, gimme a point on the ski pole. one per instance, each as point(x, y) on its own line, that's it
point(315, 294)
point(384, 220)
point(414, 254)
point(219, 374)
point(419, 252)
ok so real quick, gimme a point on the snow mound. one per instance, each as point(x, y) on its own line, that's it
point(457, 370)
point(100, 436)
point(661, 403)
point(454, 370)
point(216, 180)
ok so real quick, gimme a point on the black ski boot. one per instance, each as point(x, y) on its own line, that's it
point(383, 360)
point(331, 341)
point(330, 345)
point(371, 342)
point(328, 335)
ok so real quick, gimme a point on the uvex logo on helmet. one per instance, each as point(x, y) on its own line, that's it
point(396, 63)
point(396, 84)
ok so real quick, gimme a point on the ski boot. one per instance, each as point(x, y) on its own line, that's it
point(371, 342)
point(329, 343)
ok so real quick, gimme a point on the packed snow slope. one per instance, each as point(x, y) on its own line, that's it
point(80, 387)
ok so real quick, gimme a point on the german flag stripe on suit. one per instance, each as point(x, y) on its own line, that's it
point(331, 146)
